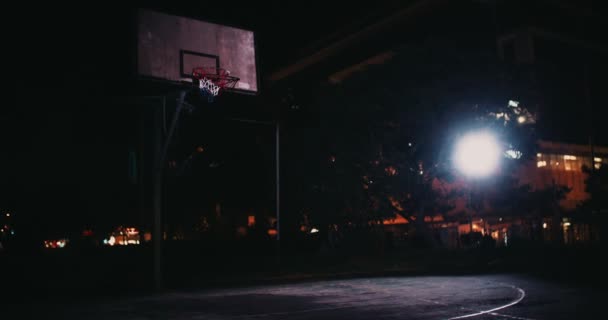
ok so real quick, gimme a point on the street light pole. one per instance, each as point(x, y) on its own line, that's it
point(277, 165)
point(476, 155)
point(278, 189)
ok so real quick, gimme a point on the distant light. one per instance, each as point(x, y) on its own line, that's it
point(500, 219)
point(513, 103)
point(409, 144)
point(539, 155)
point(597, 165)
point(61, 243)
point(596, 159)
point(8, 214)
point(566, 224)
point(521, 119)
point(112, 240)
point(544, 225)
point(314, 230)
point(421, 172)
point(199, 149)
point(513, 154)
point(557, 163)
point(12, 232)
point(569, 157)
point(105, 241)
point(477, 154)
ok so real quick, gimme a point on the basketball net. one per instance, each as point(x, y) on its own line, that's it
point(212, 80)
point(208, 88)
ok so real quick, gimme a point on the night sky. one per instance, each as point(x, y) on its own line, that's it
point(65, 139)
point(65, 142)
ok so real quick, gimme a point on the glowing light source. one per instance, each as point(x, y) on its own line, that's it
point(314, 230)
point(55, 244)
point(8, 214)
point(596, 159)
point(566, 224)
point(544, 225)
point(477, 154)
point(513, 154)
point(112, 240)
point(569, 157)
point(513, 103)
point(539, 155)
point(521, 119)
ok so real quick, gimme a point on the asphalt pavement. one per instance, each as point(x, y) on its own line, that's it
point(433, 297)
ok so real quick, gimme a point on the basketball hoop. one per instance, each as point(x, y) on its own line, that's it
point(212, 81)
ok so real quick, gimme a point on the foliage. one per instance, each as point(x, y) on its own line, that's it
point(387, 132)
point(596, 185)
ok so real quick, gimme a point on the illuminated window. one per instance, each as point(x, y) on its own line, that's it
point(569, 157)
point(391, 171)
point(541, 164)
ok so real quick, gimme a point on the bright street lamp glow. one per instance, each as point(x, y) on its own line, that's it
point(477, 154)
point(521, 119)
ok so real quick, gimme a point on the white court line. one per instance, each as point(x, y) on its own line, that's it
point(522, 295)
point(509, 316)
point(467, 309)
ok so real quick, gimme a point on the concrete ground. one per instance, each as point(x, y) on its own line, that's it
point(434, 297)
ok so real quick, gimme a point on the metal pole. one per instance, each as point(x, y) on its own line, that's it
point(160, 155)
point(178, 110)
point(156, 237)
point(589, 108)
point(278, 189)
point(471, 207)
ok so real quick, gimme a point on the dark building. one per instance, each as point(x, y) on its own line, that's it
point(549, 55)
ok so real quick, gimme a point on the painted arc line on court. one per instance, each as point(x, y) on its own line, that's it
point(467, 309)
point(522, 295)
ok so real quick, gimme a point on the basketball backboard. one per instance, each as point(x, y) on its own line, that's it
point(169, 48)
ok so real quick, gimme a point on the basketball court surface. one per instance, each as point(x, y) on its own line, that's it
point(445, 297)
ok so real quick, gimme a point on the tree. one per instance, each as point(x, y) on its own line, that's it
point(387, 132)
point(595, 209)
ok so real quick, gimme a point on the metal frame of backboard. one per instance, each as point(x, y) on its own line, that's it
point(188, 73)
point(150, 79)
